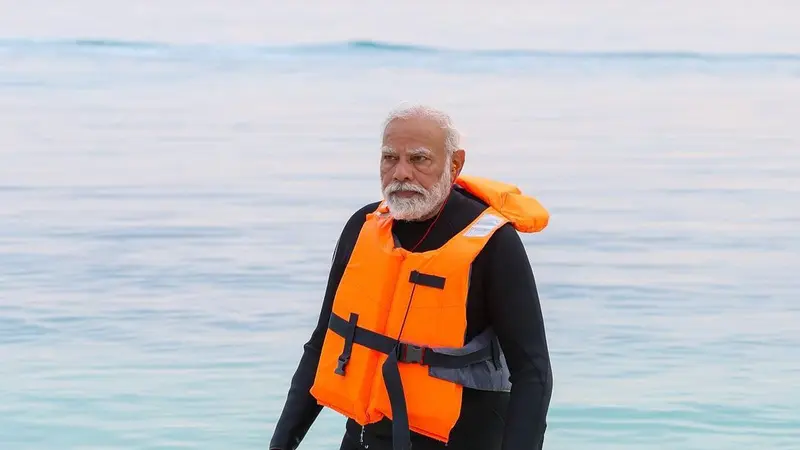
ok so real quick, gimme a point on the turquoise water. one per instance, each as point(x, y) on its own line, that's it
point(171, 199)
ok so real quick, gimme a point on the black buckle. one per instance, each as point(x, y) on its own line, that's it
point(410, 353)
point(340, 365)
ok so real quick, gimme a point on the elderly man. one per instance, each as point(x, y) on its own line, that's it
point(431, 333)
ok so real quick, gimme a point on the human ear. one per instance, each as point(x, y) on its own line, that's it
point(457, 163)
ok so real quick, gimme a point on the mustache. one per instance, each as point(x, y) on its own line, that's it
point(400, 186)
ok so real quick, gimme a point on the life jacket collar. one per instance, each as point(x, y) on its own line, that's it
point(524, 212)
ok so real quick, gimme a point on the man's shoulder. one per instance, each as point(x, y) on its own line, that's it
point(507, 235)
point(358, 218)
point(350, 231)
point(352, 228)
point(505, 247)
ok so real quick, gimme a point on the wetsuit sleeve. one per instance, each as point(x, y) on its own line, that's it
point(516, 315)
point(301, 409)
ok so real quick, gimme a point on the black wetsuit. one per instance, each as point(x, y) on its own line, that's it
point(502, 293)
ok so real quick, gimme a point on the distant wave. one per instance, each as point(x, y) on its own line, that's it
point(82, 43)
point(365, 47)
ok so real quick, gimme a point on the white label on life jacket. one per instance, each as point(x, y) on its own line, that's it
point(485, 225)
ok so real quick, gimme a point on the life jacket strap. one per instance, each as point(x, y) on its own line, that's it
point(348, 332)
point(402, 352)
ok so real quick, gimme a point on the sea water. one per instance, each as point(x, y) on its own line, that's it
point(174, 177)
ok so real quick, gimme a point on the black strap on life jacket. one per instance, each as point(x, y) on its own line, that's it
point(348, 332)
point(425, 279)
point(400, 352)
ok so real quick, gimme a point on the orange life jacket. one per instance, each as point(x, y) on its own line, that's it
point(395, 343)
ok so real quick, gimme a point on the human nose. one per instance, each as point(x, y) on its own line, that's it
point(403, 171)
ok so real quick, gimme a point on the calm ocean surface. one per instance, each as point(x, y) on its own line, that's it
point(170, 199)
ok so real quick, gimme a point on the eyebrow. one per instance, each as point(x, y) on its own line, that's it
point(420, 151)
point(385, 150)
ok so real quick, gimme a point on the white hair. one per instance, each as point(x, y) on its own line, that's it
point(404, 111)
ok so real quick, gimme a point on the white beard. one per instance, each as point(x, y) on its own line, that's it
point(418, 206)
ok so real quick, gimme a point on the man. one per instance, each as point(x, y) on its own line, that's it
point(431, 333)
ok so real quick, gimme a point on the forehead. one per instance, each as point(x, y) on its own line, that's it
point(414, 133)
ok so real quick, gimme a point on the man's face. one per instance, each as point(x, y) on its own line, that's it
point(415, 168)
